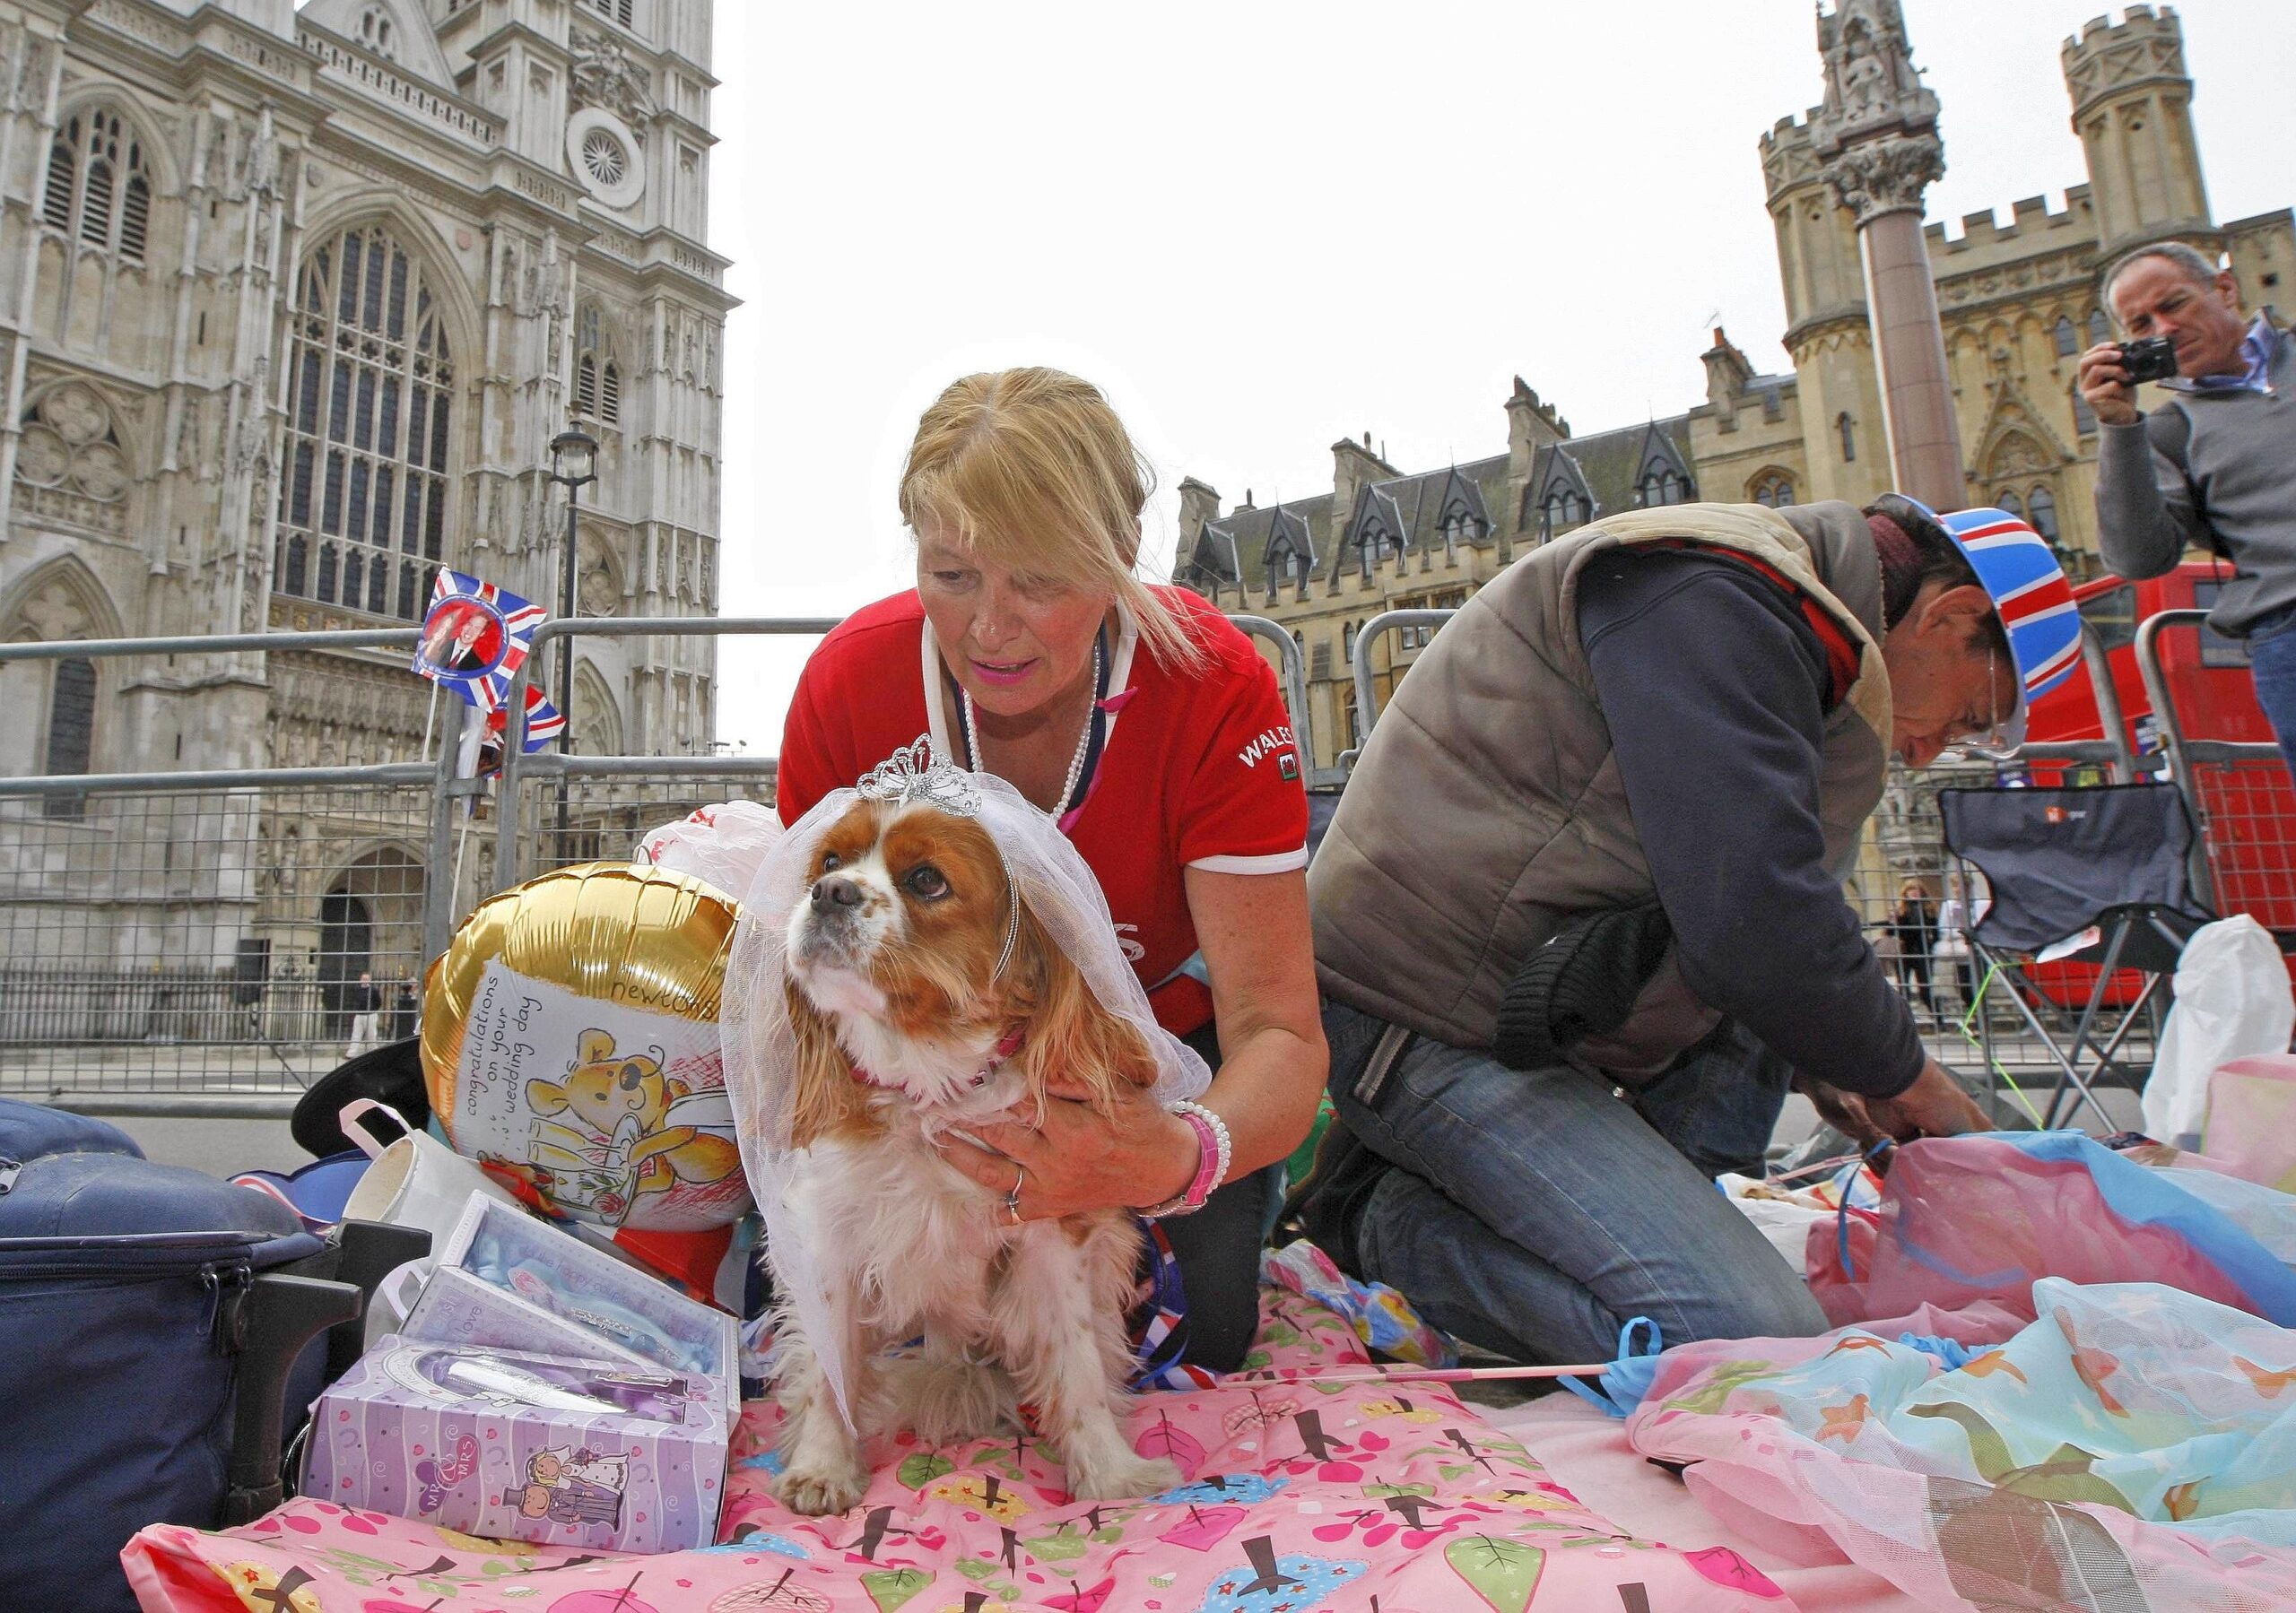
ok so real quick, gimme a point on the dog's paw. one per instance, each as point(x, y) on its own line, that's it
point(1122, 1480)
point(819, 1492)
point(946, 1402)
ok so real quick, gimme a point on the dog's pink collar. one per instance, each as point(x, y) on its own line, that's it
point(1006, 1046)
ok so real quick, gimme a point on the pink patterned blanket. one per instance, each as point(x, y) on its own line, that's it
point(1389, 1498)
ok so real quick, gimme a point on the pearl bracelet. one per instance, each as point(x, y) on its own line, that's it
point(1214, 1152)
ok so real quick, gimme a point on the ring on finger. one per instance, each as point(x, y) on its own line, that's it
point(1013, 1194)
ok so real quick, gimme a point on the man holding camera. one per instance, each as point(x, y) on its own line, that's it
point(2214, 465)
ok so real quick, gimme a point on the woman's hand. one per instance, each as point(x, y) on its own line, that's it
point(1073, 1159)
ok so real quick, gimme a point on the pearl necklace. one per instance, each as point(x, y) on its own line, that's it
point(1083, 739)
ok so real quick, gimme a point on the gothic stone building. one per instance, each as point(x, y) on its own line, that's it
point(2019, 303)
point(291, 303)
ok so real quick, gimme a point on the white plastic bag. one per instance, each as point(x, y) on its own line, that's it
point(721, 846)
point(2233, 1003)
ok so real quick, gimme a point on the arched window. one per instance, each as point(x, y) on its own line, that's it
point(1347, 643)
point(2011, 503)
point(2069, 339)
point(1848, 429)
point(1775, 490)
point(1562, 507)
point(2099, 328)
point(2084, 419)
point(1280, 557)
point(98, 188)
point(2040, 513)
point(71, 731)
point(598, 379)
point(370, 401)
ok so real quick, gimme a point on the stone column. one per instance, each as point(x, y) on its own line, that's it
point(1877, 134)
point(1882, 183)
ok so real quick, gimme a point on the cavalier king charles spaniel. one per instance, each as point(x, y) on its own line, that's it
point(927, 997)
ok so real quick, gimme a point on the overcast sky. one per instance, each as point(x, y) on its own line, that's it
point(1262, 226)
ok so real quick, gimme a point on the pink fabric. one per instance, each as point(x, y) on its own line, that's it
point(2251, 1127)
point(1586, 1452)
point(1962, 1486)
point(1298, 1499)
point(1965, 1220)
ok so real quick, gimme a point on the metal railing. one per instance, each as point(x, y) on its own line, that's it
point(593, 812)
point(1294, 673)
point(192, 941)
point(2237, 792)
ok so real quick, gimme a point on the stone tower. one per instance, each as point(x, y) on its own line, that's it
point(293, 300)
point(1826, 327)
point(1876, 133)
point(2132, 107)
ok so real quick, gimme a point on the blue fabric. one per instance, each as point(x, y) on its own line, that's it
point(2150, 1198)
point(2272, 664)
point(1631, 1371)
point(1535, 1214)
point(1954, 1354)
point(2256, 357)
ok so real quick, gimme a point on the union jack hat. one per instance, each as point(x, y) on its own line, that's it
point(2032, 596)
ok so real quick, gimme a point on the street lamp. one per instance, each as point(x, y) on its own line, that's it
point(573, 461)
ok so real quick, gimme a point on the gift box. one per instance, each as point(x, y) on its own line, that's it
point(512, 1446)
point(545, 1279)
point(458, 1307)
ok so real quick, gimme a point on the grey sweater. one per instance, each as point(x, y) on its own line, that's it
point(2236, 492)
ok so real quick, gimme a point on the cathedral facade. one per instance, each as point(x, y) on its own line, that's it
point(292, 302)
point(2018, 303)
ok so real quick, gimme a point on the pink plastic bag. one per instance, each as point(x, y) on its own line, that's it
point(2250, 1132)
point(1982, 1217)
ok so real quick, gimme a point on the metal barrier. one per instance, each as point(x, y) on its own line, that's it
point(195, 941)
point(1294, 672)
point(604, 803)
point(2238, 791)
point(192, 941)
point(1367, 686)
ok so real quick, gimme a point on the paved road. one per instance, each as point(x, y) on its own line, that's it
point(219, 1146)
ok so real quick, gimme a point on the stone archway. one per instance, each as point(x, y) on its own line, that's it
point(370, 922)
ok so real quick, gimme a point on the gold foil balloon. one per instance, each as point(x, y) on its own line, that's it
point(569, 1040)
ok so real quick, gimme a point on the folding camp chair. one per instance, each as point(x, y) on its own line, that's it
point(2098, 875)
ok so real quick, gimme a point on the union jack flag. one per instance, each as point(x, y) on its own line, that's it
point(545, 722)
point(474, 637)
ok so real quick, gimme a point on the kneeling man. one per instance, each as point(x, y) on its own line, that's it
point(1579, 920)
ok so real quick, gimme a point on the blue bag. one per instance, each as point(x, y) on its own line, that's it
point(128, 1293)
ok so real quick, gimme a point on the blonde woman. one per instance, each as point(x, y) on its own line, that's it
point(1154, 734)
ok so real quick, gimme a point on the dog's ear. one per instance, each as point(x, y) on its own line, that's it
point(828, 1102)
point(1070, 1033)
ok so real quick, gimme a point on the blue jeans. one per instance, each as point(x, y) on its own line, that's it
point(1533, 1213)
point(2272, 662)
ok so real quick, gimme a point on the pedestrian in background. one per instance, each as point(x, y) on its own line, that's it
point(1915, 926)
point(366, 1005)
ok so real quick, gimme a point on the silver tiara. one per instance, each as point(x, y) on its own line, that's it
point(913, 776)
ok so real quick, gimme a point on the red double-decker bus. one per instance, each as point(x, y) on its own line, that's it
point(2249, 806)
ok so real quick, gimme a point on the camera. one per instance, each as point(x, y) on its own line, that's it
point(2155, 358)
